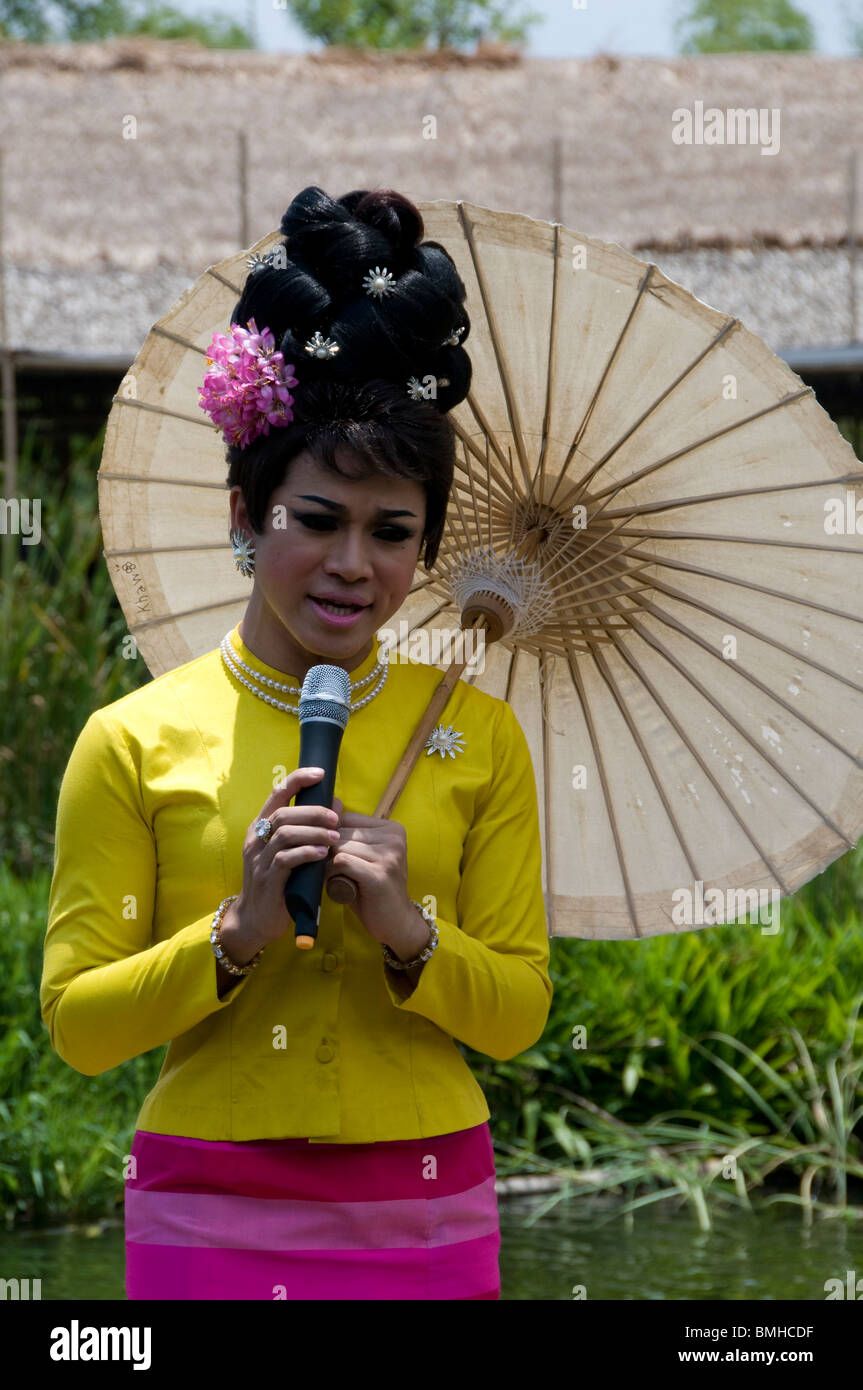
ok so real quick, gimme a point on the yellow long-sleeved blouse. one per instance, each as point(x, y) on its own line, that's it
point(154, 807)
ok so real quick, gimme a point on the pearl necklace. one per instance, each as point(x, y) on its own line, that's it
point(235, 665)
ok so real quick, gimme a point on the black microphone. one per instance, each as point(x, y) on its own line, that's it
point(325, 707)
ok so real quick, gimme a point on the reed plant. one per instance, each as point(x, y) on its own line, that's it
point(716, 1064)
point(61, 654)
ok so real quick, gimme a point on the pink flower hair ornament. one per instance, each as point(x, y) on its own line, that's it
point(245, 389)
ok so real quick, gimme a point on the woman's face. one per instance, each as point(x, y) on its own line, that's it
point(326, 535)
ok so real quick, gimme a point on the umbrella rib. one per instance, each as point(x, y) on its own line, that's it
point(510, 671)
point(680, 627)
point(451, 547)
point(484, 429)
point(223, 545)
point(743, 540)
point(488, 490)
point(653, 641)
point(613, 489)
point(684, 737)
point(667, 563)
point(606, 792)
point(626, 513)
point(674, 623)
point(664, 561)
point(538, 478)
point(156, 478)
point(166, 549)
point(465, 533)
point(628, 574)
point(753, 632)
point(420, 623)
point(514, 493)
point(177, 338)
point(693, 680)
point(654, 405)
point(162, 410)
point(563, 557)
point(667, 505)
point(473, 497)
point(223, 280)
point(423, 583)
point(648, 761)
point(494, 334)
point(570, 583)
point(187, 613)
point(645, 280)
point(566, 586)
point(503, 496)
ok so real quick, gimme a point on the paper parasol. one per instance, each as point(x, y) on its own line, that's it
point(687, 650)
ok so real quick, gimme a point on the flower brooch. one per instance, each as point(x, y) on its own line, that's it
point(443, 741)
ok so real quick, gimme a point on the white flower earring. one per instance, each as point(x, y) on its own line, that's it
point(244, 553)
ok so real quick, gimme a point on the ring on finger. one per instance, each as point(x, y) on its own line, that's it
point(264, 828)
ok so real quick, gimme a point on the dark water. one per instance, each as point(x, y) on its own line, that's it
point(660, 1255)
point(664, 1255)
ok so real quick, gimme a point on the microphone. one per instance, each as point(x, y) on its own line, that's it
point(325, 707)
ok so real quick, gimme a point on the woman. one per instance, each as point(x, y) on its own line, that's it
point(176, 833)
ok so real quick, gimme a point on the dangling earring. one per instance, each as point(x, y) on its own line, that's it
point(244, 553)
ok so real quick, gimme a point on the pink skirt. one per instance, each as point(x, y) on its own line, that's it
point(285, 1219)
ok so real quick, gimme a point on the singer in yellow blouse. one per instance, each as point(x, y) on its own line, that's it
point(328, 1047)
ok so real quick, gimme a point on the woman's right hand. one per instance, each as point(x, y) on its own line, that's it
point(301, 834)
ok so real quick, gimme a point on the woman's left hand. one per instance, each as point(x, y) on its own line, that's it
point(374, 853)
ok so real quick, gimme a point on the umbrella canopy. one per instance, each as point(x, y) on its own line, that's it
point(687, 657)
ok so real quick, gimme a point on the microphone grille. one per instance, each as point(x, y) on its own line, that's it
point(326, 694)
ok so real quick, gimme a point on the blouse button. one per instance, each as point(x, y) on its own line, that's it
point(325, 1053)
point(330, 961)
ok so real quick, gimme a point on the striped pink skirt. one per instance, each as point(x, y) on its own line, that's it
point(285, 1219)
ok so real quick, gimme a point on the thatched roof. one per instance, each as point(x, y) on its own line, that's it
point(155, 210)
point(79, 191)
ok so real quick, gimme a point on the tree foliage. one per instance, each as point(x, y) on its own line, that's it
point(399, 24)
point(78, 21)
point(743, 26)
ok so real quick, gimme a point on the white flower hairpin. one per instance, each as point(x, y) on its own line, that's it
point(379, 282)
point(319, 346)
point(276, 257)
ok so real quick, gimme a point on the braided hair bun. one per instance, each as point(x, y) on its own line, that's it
point(321, 279)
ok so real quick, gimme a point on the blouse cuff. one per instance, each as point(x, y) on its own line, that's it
point(426, 990)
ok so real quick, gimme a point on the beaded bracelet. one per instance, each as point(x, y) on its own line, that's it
point(216, 938)
point(393, 960)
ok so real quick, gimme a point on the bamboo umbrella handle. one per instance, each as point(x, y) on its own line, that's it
point(341, 887)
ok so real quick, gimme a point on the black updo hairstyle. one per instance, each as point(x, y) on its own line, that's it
point(359, 398)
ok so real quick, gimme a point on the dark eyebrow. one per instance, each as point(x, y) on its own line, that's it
point(340, 506)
